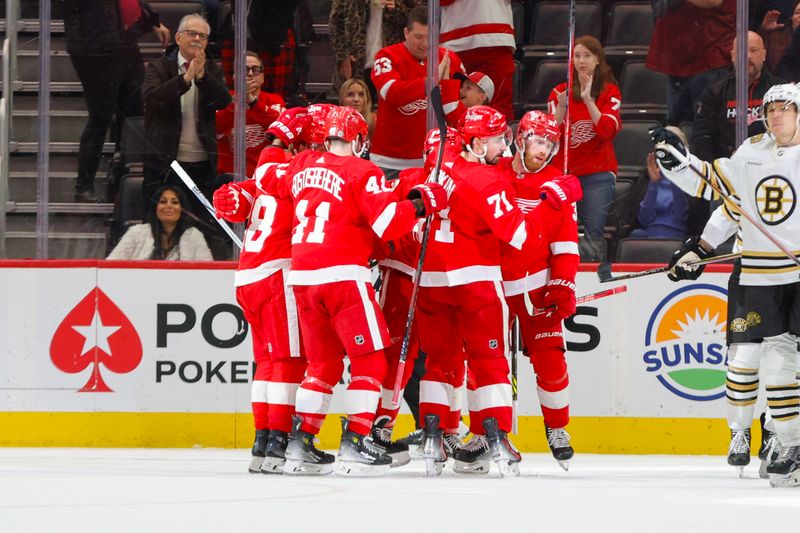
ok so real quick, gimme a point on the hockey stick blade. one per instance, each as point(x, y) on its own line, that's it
point(685, 161)
point(659, 270)
point(578, 301)
point(189, 182)
point(438, 112)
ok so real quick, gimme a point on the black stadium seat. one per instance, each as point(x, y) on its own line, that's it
point(629, 31)
point(550, 32)
point(631, 145)
point(647, 250)
point(644, 93)
point(537, 83)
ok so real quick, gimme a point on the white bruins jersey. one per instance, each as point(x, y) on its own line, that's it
point(764, 181)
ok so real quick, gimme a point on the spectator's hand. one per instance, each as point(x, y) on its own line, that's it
point(559, 298)
point(200, 64)
point(664, 136)
point(346, 68)
point(562, 190)
point(770, 22)
point(586, 86)
point(388, 4)
point(653, 172)
point(289, 125)
point(562, 99)
point(162, 32)
point(444, 68)
point(432, 195)
point(253, 88)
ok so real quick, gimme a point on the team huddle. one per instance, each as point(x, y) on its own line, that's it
point(317, 214)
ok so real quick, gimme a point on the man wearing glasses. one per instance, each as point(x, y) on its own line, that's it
point(182, 92)
point(262, 110)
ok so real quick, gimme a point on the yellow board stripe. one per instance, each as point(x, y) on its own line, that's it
point(225, 430)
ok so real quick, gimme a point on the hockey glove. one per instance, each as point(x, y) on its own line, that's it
point(432, 195)
point(689, 252)
point(230, 204)
point(667, 160)
point(562, 190)
point(288, 126)
point(560, 294)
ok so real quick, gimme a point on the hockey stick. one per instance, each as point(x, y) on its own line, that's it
point(438, 110)
point(578, 301)
point(659, 270)
point(516, 344)
point(570, 80)
point(189, 182)
point(685, 160)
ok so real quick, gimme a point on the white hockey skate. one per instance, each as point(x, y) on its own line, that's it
point(359, 456)
point(303, 458)
point(558, 441)
point(739, 449)
point(504, 454)
point(433, 449)
point(258, 451)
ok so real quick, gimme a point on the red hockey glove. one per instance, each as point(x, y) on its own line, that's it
point(561, 294)
point(230, 203)
point(288, 126)
point(561, 190)
point(433, 196)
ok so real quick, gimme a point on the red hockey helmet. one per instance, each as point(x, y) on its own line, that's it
point(347, 124)
point(482, 121)
point(452, 145)
point(314, 133)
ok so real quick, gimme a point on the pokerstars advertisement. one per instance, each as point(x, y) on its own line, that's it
point(148, 338)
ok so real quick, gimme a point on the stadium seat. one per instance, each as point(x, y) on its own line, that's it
point(130, 157)
point(128, 209)
point(647, 250)
point(622, 214)
point(631, 145)
point(321, 65)
point(629, 31)
point(550, 32)
point(644, 93)
point(538, 83)
point(518, 18)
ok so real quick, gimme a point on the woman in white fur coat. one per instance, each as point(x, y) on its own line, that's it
point(169, 235)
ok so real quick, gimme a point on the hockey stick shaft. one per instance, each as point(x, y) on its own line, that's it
point(516, 350)
point(659, 270)
point(189, 182)
point(728, 200)
point(584, 299)
point(570, 80)
point(436, 104)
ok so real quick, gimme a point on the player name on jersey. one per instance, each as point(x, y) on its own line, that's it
point(318, 178)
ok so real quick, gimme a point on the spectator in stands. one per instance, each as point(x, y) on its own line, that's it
point(691, 44)
point(481, 32)
point(476, 89)
point(101, 40)
point(358, 30)
point(182, 92)
point(399, 75)
point(594, 122)
point(789, 64)
point(355, 93)
point(262, 109)
point(168, 234)
point(777, 35)
point(664, 211)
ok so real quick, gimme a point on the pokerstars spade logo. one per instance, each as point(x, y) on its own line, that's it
point(94, 333)
point(685, 342)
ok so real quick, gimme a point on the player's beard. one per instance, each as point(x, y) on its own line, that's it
point(532, 164)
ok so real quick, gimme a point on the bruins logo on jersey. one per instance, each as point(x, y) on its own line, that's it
point(776, 199)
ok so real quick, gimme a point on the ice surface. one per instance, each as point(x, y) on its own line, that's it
point(120, 490)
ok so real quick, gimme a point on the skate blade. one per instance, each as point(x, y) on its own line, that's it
point(433, 468)
point(762, 470)
point(255, 465)
point(299, 468)
point(354, 469)
point(785, 480)
point(564, 465)
point(478, 467)
point(273, 465)
point(740, 469)
point(508, 468)
point(400, 459)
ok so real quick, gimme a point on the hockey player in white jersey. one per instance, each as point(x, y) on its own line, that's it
point(762, 178)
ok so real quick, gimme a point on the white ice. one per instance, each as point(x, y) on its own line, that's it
point(121, 490)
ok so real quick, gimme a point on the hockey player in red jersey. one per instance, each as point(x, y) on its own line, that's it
point(461, 308)
point(546, 272)
point(340, 203)
point(397, 272)
point(261, 292)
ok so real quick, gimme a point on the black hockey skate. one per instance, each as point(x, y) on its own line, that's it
point(785, 471)
point(433, 449)
point(412, 439)
point(382, 438)
point(739, 449)
point(257, 453)
point(302, 455)
point(503, 452)
point(765, 452)
point(558, 441)
point(359, 456)
point(474, 457)
point(452, 443)
point(275, 456)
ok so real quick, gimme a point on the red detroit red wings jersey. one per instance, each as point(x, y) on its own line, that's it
point(266, 246)
point(400, 80)
point(404, 252)
point(556, 255)
point(464, 245)
point(340, 205)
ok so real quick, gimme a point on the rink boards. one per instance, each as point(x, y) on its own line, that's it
point(158, 355)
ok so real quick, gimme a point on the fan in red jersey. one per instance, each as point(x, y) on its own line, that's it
point(546, 271)
point(462, 311)
point(261, 290)
point(341, 202)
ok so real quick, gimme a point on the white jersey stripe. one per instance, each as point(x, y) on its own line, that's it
point(372, 318)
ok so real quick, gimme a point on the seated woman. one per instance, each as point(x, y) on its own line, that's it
point(168, 235)
point(354, 93)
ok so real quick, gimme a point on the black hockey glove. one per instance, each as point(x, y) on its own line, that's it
point(663, 135)
point(689, 252)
